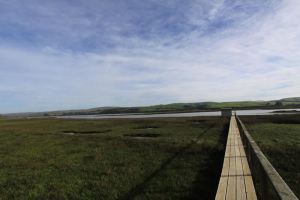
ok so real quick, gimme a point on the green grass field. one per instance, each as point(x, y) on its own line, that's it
point(278, 137)
point(176, 158)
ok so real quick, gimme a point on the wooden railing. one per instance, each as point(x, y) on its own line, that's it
point(263, 173)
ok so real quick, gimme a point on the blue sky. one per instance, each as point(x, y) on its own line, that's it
point(73, 54)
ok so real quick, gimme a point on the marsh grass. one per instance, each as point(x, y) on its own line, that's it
point(278, 137)
point(99, 161)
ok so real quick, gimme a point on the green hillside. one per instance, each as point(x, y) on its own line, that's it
point(246, 104)
point(293, 102)
point(292, 99)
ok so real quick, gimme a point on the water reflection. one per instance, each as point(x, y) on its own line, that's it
point(69, 133)
point(194, 114)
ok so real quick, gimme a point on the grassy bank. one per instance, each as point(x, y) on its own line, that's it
point(278, 137)
point(167, 158)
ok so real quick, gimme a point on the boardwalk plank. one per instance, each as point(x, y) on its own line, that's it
point(221, 193)
point(236, 181)
point(222, 188)
point(241, 190)
point(250, 190)
point(231, 188)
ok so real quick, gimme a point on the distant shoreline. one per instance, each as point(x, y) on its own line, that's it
point(168, 108)
point(286, 111)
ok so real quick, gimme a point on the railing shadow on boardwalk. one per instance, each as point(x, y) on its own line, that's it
point(211, 176)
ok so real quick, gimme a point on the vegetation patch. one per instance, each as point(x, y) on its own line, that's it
point(39, 162)
point(275, 119)
point(279, 139)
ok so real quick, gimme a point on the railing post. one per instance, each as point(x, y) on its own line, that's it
point(264, 184)
point(247, 148)
point(245, 139)
point(253, 165)
point(242, 135)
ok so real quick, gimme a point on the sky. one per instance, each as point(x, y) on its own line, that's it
point(76, 54)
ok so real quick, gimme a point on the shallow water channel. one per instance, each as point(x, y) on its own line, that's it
point(194, 114)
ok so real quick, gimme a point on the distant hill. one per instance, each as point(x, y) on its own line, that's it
point(293, 102)
point(59, 112)
point(291, 99)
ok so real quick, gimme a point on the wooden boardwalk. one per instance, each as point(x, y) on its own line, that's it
point(236, 181)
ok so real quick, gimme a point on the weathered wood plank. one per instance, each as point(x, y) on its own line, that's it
point(241, 188)
point(231, 188)
point(235, 176)
point(250, 191)
point(221, 193)
point(222, 188)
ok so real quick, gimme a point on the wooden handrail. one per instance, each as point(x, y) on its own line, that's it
point(267, 172)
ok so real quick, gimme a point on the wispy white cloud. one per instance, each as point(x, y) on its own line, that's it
point(78, 54)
